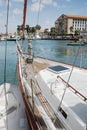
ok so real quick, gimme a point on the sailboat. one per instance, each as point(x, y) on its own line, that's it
point(54, 93)
point(12, 109)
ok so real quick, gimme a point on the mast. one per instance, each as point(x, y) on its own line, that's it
point(24, 17)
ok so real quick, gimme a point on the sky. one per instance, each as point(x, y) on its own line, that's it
point(49, 12)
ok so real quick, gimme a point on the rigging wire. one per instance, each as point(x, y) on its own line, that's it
point(38, 16)
point(6, 52)
point(69, 77)
point(6, 60)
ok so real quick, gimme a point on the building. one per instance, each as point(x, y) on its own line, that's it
point(67, 23)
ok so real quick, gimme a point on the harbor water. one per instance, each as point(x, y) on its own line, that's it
point(50, 49)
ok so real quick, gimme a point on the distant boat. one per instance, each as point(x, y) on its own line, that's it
point(13, 38)
point(75, 44)
point(78, 43)
point(85, 40)
point(2, 38)
point(37, 36)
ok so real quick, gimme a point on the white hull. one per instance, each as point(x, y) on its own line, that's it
point(12, 113)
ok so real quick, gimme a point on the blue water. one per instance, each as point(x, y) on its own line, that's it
point(60, 51)
point(11, 73)
point(52, 49)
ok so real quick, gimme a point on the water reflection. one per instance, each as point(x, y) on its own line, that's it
point(11, 70)
point(59, 50)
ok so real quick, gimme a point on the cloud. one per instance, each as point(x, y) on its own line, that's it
point(55, 4)
point(0, 14)
point(0, 2)
point(17, 11)
point(49, 2)
point(86, 3)
point(68, 0)
point(18, 0)
point(47, 22)
point(34, 0)
point(35, 4)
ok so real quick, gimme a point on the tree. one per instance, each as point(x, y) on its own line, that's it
point(18, 29)
point(32, 29)
point(38, 27)
point(46, 30)
point(27, 28)
point(52, 29)
point(61, 23)
point(52, 32)
point(77, 32)
point(64, 32)
point(71, 29)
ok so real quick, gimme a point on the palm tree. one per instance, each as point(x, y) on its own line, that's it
point(52, 32)
point(61, 26)
point(77, 32)
point(38, 27)
point(33, 30)
point(46, 30)
point(27, 28)
point(71, 29)
point(18, 29)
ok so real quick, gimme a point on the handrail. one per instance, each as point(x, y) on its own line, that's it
point(75, 91)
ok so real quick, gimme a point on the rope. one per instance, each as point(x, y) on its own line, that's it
point(69, 77)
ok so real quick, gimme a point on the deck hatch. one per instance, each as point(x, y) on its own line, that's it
point(58, 69)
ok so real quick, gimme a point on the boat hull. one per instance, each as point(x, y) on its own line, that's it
point(12, 110)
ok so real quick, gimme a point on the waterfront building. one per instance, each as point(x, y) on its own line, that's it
point(70, 23)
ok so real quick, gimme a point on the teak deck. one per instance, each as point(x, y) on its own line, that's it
point(33, 69)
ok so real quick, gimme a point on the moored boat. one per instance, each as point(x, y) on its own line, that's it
point(12, 109)
point(13, 38)
point(76, 44)
point(54, 93)
point(56, 90)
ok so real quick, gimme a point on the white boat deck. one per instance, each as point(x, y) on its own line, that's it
point(78, 80)
point(72, 108)
point(74, 102)
point(12, 115)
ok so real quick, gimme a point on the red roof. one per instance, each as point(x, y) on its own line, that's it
point(75, 16)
